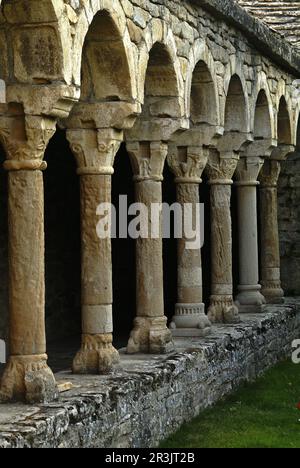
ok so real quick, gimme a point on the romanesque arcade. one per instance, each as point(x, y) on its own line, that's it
point(109, 75)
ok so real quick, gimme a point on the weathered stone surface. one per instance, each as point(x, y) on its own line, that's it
point(148, 398)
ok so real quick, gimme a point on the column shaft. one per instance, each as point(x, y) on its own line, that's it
point(95, 151)
point(97, 354)
point(222, 307)
point(249, 298)
point(26, 262)
point(150, 333)
point(248, 244)
point(190, 318)
point(149, 261)
point(270, 252)
point(96, 266)
point(189, 261)
point(27, 375)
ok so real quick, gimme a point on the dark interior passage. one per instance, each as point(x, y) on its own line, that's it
point(235, 239)
point(169, 249)
point(62, 255)
point(123, 254)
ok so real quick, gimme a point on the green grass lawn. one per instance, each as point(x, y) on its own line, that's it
point(259, 415)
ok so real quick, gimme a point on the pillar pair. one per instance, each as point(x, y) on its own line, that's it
point(270, 252)
point(221, 169)
point(95, 151)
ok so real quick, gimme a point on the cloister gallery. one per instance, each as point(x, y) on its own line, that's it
point(163, 101)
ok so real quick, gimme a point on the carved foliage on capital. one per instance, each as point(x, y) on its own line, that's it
point(248, 170)
point(94, 150)
point(269, 174)
point(188, 164)
point(220, 168)
point(148, 159)
point(25, 139)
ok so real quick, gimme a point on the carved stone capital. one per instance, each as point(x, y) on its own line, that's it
point(187, 163)
point(221, 167)
point(269, 174)
point(25, 139)
point(148, 159)
point(247, 171)
point(94, 150)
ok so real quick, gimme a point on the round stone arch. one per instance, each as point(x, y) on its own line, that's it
point(262, 109)
point(41, 41)
point(284, 116)
point(119, 50)
point(234, 78)
point(202, 76)
point(159, 34)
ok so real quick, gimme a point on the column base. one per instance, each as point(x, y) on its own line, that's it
point(222, 309)
point(250, 299)
point(96, 356)
point(29, 379)
point(273, 293)
point(150, 336)
point(190, 320)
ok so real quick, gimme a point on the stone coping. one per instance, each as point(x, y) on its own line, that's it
point(260, 35)
point(149, 397)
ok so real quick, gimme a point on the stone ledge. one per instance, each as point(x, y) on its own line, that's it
point(260, 35)
point(149, 397)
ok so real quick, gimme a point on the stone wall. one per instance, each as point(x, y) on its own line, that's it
point(149, 398)
point(289, 223)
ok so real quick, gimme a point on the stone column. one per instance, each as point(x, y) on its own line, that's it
point(220, 170)
point(95, 151)
point(249, 298)
point(150, 333)
point(269, 235)
point(27, 376)
point(187, 164)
